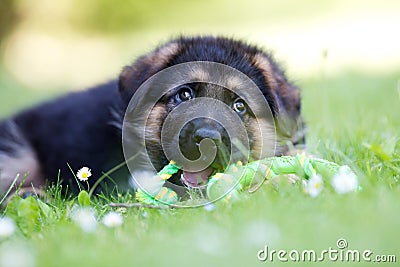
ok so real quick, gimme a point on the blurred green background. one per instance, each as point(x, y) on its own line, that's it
point(49, 47)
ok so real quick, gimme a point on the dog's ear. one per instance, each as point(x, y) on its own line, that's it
point(289, 123)
point(144, 67)
point(287, 95)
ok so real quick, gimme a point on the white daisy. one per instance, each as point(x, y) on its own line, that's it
point(85, 218)
point(7, 227)
point(345, 180)
point(315, 185)
point(84, 173)
point(113, 219)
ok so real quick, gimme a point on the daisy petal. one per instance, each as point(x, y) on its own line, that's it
point(345, 180)
point(113, 219)
point(314, 185)
point(84, 173)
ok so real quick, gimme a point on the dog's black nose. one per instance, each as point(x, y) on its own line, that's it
point(204, 133)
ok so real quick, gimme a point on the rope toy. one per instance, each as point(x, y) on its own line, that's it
point(238, 177)
point(165, 195)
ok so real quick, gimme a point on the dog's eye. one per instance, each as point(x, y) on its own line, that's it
point(239, 106)
point(185, 93)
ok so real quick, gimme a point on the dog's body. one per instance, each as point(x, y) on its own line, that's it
point(84, 128)
point(75, 130)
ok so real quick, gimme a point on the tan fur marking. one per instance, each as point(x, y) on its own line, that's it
point(153, 129)
point(286, 92)
point(261, 146)
point(126, 73)
point(233, 82)
point(261, 62)
point(197, 74)
point(161, 56)
point(154, 123)
point(154, 61)
point(287, 100)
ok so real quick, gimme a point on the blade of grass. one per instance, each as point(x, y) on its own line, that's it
point(76, 179)
point(9, 189)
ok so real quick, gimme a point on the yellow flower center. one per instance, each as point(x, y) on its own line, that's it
point(317, 185)
point(85, 175)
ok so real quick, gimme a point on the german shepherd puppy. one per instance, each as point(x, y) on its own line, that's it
point(84, 128)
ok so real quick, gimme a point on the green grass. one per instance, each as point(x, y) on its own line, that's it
point(353, 118)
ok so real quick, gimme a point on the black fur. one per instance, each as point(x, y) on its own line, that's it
point(75, 129)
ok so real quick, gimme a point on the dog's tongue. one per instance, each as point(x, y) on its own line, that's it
point(195, 179)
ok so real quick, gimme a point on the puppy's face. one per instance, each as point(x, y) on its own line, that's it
point(281, 97)
point(197, 130)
